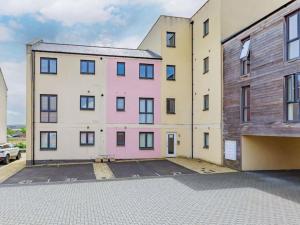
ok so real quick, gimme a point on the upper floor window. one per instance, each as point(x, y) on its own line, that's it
point(120, 69)
point(206, 65)
point(146, 71)
point(87, 138)
point(171, 72)
point(205, 102)
point(48, 66)
point(293, 98)
point(245, 57)
point(87, 67)
point(206, 28)
point(170, 105)
point(146, 106)
point(120, 104)
point(245, 107)
point(293, 36)
point(48, 140)
point(48, 108)
point(171, 39)
point(87, 102)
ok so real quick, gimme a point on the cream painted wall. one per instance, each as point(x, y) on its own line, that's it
point(270, 153)
point(69, 84)
point(180, 56)
point(3, 109)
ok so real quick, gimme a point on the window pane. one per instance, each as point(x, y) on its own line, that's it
point(149, 118)
point(293, 112)
point(90, 138)
point(44, 140)
point(44, 65)
point(143, 71)
point(149, 106)
point(44, 117)
point(246, 115)
point(142, 105)
point(52, 117)
point(293, 27)
point(142, 140)
point(83, 138)
point(149, 140)
point(291, 89)
point(142, 118)
point(52, 137)
point(150, 71)
point(44, 103)
point(171, 39)
point(170, 72)
point(91, 66)
point(52, 100)
point(52, 66)
point(245, 50)
point(293, 49)
point(91, 102)
point(121, 68)
point(120, 138)
point(84, 67)
point(298, 86)
point(83, 102)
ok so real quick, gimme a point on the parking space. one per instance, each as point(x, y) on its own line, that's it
point(147, 168)
point(63, 173)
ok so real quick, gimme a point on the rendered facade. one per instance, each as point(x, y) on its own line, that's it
point(261, 94)
point(3, 108)
point(164, 99)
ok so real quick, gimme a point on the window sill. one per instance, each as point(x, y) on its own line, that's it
point(43, 73)
point(48, 149)
point(205, 110)
point(87, 145)
point(206, 147)
point(170, 46)
point(245, 75)
point(169, 113)
point(87, 109)
point(146, 149)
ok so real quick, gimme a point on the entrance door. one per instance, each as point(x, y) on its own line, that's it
point(171, 144)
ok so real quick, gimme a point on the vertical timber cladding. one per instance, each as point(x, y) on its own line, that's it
point(266, 81)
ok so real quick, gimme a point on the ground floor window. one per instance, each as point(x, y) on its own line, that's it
point(120, 139)
point(48, 140)
point(146, 140)
point(87, 138)
point(206, 140)
point(293, 98)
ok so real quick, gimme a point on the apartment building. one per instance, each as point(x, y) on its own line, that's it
point(193, 46)
point(3, 108)
point(261, 93)
point(84, 102)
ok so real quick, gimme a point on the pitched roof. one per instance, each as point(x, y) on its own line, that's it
point(93, 50)
point(2, 77)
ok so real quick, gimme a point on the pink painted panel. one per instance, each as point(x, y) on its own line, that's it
point(132, 88)
point(131, 149)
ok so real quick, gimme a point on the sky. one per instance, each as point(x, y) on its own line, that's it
point(115, 23)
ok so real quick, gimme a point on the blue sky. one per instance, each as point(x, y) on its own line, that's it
point(118, 23)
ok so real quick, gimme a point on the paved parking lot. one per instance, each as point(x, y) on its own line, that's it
point(215, 199)
point(70, 173)
point(147, 168)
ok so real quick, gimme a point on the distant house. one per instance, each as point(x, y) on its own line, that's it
point(3, 106)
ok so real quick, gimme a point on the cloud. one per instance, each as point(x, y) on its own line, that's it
point(127, 42)
point(71, 12)
point(6, 34)
point(14, 74)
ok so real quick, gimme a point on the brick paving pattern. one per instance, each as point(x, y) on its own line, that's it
point(235, 198)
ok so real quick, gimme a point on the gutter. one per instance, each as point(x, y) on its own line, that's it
point(192, 24)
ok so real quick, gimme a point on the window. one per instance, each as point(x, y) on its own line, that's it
point(245, 57)
point(120, 104)
point(293, 36)
point(146, 71)
point(293, 98)
point(146, 106)
point(205, 102)
point(171, 39)
point(206, 65)
point(48, 140)
point(87, 138)
point(146, 140)
point(170, 105)
point(206, 140)
point(120, 69)
point(171, 72)
point(120, 139)
point(87, 102)
point(246, 104)
point(87, 67)
point(48, 108)
point(206, 28)
point(48, 66)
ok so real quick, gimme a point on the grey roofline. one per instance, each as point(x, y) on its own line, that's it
point(1, 75)
point(155, 56)
point(152, 27)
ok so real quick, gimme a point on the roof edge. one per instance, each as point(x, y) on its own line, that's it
point(1, 75)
